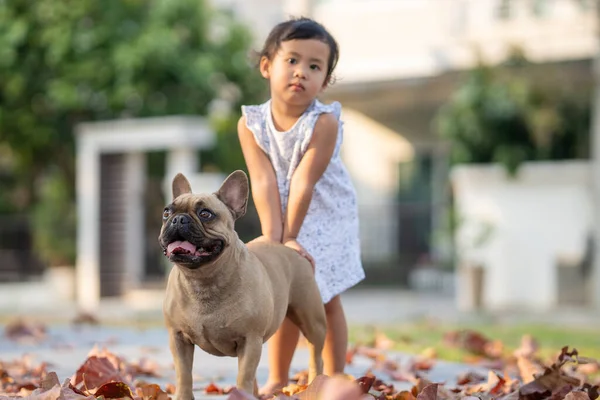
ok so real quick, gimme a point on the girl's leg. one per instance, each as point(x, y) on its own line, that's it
point(336, 341)
point(281, 347)
point(282, 344)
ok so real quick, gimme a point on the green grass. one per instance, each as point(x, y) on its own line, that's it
point(414, 338)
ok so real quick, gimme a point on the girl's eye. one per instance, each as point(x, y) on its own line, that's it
point(205, 214)
point(291, 61)
point(315, 67)
point(166, 213)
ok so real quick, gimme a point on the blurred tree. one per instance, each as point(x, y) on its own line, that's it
point(67, 61)
point(500, 115)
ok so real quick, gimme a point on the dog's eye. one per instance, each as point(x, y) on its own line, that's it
point(166, 213)
point(205, 214)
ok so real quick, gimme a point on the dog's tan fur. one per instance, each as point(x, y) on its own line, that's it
point(231, 305)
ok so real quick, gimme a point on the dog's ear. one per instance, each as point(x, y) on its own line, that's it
point(234, 193)
point(180, 186)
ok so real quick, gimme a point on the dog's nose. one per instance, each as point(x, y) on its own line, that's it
point(182, 219)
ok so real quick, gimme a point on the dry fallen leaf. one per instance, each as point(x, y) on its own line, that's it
point(382, 342)
point(528, 369)
point(114, 390)
point(106, 375)
point(24, 330)
point(213, 388)
point(529, 347)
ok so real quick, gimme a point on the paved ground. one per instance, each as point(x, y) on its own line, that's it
point(66, 348)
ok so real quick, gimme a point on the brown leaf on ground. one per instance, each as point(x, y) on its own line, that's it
point(494, 385)
point(25, 331)
point(470, 377)
point(300, 378)
point(421, 364)
point(95, 372)
point(114, 390)
point(382, 342)
point(429, 353)
point(170, 388)
point(588, 369)
point(50, 389)
point(404, 395)
point(551, 380)
point(350, 355)
point(365, 383)
point(370, 352)
point(577, 395)
point(494, 349)
point(115, 360)
point(213, 388)
point(383, 387)
point(21, 374)
point(528, 369)
point(529, 347)
point(387, 365)
point(144, 367)
point(591, 390)
point(469, 340)
point(402, 375)
point(41, 394)
point(559, 394)
point(151, 392)
point(429, 392)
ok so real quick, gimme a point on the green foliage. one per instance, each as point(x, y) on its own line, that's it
point(65, 61)
point(55, 222)
point(502, 116)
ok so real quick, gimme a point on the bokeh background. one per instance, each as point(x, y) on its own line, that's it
point(468, 133)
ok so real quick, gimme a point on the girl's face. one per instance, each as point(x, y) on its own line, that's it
point(297, 71)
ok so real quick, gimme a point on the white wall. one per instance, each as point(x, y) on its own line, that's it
point(543, 216)
point(372, 154)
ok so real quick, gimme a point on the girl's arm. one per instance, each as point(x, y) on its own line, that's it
point(309, 171)
point(263, 183)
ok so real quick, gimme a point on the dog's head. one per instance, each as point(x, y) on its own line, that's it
point(198, 228)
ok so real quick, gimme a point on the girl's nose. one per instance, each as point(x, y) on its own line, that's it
point(299, 72)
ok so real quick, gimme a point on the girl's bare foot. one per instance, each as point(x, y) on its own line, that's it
point(271, 387)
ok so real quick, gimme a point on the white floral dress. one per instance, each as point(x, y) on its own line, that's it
point(330, 229)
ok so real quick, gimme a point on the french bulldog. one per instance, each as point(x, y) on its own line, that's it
point(227, 297)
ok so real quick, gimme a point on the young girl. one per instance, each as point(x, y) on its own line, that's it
point(301, 189)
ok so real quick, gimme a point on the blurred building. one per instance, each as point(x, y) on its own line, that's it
point(400, 60)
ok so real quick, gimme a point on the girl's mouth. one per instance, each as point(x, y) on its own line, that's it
point(297, 87)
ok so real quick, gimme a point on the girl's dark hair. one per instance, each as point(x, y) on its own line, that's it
point(301, 28)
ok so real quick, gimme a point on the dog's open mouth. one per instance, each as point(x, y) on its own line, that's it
point(185, 250)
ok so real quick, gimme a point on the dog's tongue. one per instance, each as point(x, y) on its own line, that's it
point(181, 247)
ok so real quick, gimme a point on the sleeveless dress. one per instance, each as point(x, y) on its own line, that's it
point(329, 231)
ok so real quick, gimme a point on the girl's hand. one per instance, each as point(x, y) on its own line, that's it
point(293, 244)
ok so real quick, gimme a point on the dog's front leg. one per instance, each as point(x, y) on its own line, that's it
point(248, 353)
point(183, 357)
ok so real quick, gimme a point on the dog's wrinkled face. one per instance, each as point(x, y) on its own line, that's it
point(197, 228)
